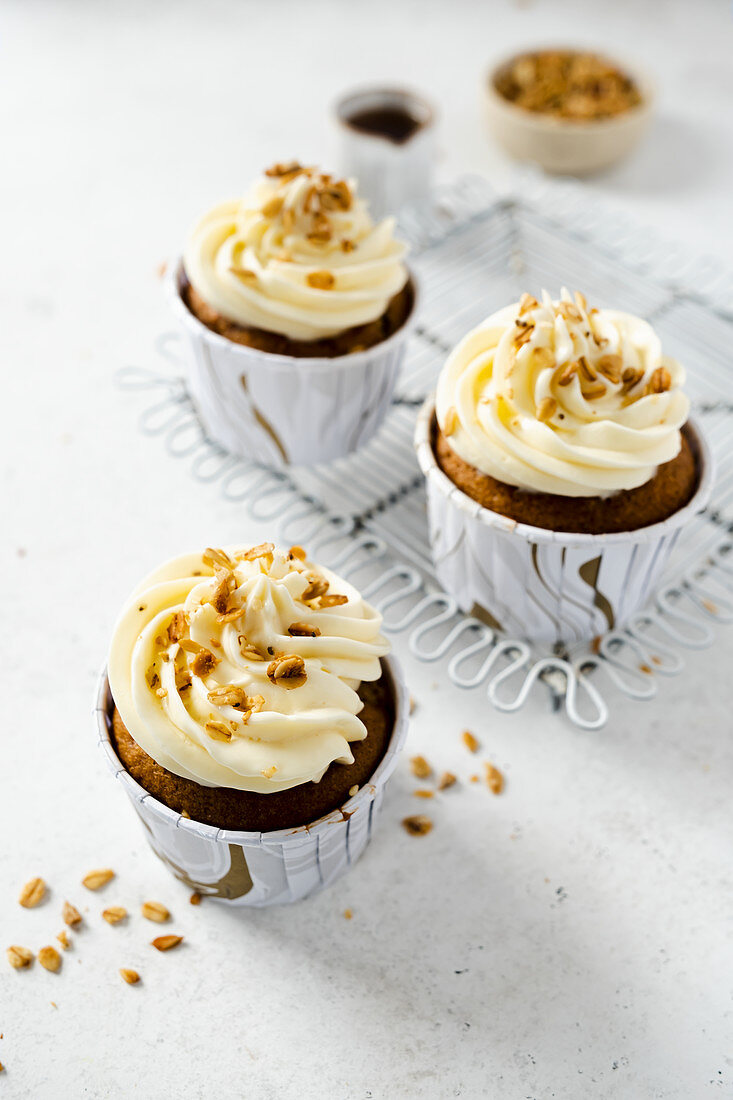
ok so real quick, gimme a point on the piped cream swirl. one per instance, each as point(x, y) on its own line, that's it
point(243, 672)
point(299, 255)
point(555, 397)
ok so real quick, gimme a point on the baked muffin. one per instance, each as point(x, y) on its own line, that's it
point(567, 418)
point(297, 268)
point(249, 691)
point(561, 468)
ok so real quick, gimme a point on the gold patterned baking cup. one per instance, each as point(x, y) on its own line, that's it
point(253, 868)
point(285, 411)
point(547, 586)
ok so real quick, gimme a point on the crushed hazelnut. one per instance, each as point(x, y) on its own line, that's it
point(50, 959)
point(228, 695)
point(420, 767)
point(130, 976)
point(320, 280)
point(195, 898)
point(32, 893)
point(71, 914)
point(446, 780)
point(114, 914)
point(303, 630)
point(204, 663)
point(155, 911)
point(19, 957)
point(333, 600)
point(546, 408)
point(216, 559)
point(218, 731)
point(287, 670)
point(260, 551)
point(423, 792)
point(417, 824)
point(178, 626)
point(317, 587)
point(470, 741)
point(494, 778)
point(165, 943)
point(95, 880)
point(63, 938)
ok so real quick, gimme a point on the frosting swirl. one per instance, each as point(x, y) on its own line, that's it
point(555, 397)
point(299, 255)
point(241, 669)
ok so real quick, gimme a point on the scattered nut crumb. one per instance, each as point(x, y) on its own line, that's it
point(423, 792)
point(470, 741)
point(155, 911)
point(195, 898)
point(446, 780)
point(420, 767)
point(63, 938)
point(32, 893)
point(95, 880)
point(130, 976)
point(165, 943)
point(50, 959)
point(353, 790)
point(413, 704)
point(348, 914)
point(494, 778)
point(417, 824)
point(71, 914)
point(114, 914)
point(161, 269)
point(19, 957)
point(473, 779)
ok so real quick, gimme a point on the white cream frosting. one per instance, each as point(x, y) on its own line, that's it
point(299, 255)
point(555, 397)
point(259, 730)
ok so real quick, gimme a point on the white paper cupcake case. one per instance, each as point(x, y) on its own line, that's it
point(547, 586)
point(281, 410)
point(259, 869)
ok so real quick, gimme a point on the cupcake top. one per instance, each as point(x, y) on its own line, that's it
point(554, 397)
point(241, 668)
point(299, 255)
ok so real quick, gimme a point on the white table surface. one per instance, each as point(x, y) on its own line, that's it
point(570, 938)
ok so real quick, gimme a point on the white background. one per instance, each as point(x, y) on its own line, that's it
point(570, 938)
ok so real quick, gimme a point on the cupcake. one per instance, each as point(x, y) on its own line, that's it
point(253, 714)
point(561, 467)
point(295, 310)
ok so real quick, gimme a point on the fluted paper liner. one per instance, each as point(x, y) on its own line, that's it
point(281, 410)
point(548, 586)
point(253, 868)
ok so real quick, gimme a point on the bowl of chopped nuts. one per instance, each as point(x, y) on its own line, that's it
point(570, 111)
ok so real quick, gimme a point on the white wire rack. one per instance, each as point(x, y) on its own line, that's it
point(365, 516)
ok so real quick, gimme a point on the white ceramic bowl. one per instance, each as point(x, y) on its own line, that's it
point(560, 145)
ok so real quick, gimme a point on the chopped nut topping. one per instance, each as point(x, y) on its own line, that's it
point(218, 731)
point(347, 245)
point(446, 780)
point(244, 273)
point(451, 421)
point(303, 630)
point(49, 959)
point(178, 626)
point(423, 792)
point(580, 300)
point(228, 695)
point(542, 358)
point(114, 914)
point(273, 207)
point(71, 915)
point(288, 220)
point(269, 772)
point(251, 652)
point(317, 587)
point(204, 663)
point(19, 957)
point(297, 552)
point(660, 381)
point(32, 893)
point(590, 393)
point(333, 600)
point(161, 693)
point(527, 302)
point(353, 790)
point(630, 378)
point(229, 617)
point(219, 599)
point(189, 646)
point(165, 943)
point(95, 880)
point(279, 171)
point(348, 914)
point(610, 367)
point(155, 911)
point(567, 375)
point(546, 408)
point(494, 778)
point(320, 280)
point(254, 552)
point(569, 84)
point(63, 938)
point(587, 372)
point(287, 670)
point(417, 824)
point(420, 767)
point(255, 704)
point(195, 898)
point(130, 976)
point(216, 559)
point(470, 741)
point(183, 679)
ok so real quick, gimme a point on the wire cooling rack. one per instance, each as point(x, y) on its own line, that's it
point(365, 515)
